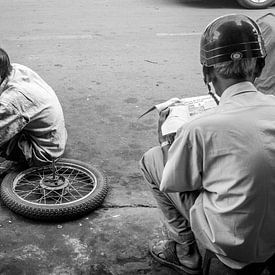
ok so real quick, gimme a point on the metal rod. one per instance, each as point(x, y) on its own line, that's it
point(53, 169)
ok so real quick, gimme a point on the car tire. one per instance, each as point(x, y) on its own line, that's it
point(253, 4)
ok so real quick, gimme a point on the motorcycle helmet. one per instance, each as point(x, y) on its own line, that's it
point(230, 38)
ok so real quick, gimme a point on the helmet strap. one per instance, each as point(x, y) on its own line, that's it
point(205, 71)
point(206, 79)
point(212, 94)
point(259, 66)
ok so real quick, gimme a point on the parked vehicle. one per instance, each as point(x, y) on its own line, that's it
point(256, 4)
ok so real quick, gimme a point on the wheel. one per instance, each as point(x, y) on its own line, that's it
point(72, 190)
point(256, 4)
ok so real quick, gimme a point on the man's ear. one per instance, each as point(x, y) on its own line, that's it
point(259, 66)
point(208, 74)
point(205, 71)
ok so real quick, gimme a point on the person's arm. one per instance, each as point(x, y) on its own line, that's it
point(183, 169)
point(164, 141)
point(11, 122)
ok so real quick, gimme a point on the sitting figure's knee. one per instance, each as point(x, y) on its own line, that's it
point(151, 165)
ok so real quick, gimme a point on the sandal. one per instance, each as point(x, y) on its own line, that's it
point(170, 258)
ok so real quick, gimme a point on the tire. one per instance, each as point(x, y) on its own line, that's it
point(36, 204)
point(256, 4)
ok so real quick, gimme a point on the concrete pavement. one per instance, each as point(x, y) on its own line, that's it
point(108, 62)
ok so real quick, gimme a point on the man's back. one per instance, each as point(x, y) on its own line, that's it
point(234, 214)
point(38, 104)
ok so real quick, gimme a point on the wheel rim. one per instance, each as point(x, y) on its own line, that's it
point(35, 185)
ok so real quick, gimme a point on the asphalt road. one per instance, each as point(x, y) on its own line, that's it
point(108, 62)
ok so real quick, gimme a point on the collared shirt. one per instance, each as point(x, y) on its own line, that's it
point(28, 105)
point(229, 154)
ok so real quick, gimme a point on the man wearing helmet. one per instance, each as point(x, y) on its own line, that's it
point(216, 182)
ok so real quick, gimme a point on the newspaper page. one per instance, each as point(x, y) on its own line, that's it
point(182, 110)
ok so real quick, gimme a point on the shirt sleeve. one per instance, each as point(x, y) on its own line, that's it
point(183, 170)
point(11, 122)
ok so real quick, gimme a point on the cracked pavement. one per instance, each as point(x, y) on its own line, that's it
point(108, 61)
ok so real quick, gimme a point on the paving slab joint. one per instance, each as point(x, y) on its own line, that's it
point(129, 206)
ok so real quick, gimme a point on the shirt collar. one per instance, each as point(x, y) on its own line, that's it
point(3, 85)
point(239, 88)
point(5, 82)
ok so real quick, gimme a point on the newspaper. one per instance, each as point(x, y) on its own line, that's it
point(182, 111)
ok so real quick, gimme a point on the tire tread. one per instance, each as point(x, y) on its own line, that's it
point(65, 212)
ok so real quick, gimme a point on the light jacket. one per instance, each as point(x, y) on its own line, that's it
point(29, 106)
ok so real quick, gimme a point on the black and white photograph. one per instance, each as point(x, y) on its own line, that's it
point(137, 137)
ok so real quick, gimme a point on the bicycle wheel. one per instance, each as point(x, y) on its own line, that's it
point(73, 190)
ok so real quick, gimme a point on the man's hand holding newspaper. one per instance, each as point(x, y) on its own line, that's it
point(175, 112)
point(183, 110)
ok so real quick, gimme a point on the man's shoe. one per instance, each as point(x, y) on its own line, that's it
point(188, 259)
point(189, 255)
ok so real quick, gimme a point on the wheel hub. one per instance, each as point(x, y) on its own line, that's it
point(54, 184)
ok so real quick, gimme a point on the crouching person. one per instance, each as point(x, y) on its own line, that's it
point(215, 183)
point(32, 127)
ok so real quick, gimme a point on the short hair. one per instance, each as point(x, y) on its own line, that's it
point(5, 65)
point(238, 69)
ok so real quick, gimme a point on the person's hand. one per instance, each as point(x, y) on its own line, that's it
point(170, 138)
point(162, 117)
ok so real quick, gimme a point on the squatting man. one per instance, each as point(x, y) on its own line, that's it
point(215, 183)
point(32, 127)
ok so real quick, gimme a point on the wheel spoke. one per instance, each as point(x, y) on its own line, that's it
point(29, 191)
point(60, 169)
point(36, 186)
point(27, 182)
point(25, 194)
point(61, 197)
point(72, 195)
point(74, 176)
point(81, 177)
point(76, 191)
point(70, 173)
point(79, 183)
point(44, 196)
point(81, 188)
